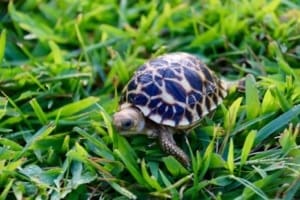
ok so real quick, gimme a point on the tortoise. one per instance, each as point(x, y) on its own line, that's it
point(169, 94)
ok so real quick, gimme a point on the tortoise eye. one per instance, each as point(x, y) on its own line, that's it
point(127, 124)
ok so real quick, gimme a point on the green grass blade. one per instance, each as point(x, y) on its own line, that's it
point(111, 30)
point(81, 41)
point(151, 180)
point(131, 167)
point(107, 122)
point(206, 159)
point(253, 122)
point(252, 99)
point(230, 157)
point(207, 37)
point(11, 144)
point(18, 109)
point(286, 68)
point(39, 111)
point(287, 139)
point(39, 135)
point(230, 117)
point(110, 179)
point(78, 153)
point(32, 24)
point(68, 76)
point(168, 184)
point(251, 186)
point(3, 107)
point(281, 99)
point(73, 108)
point(125, 152)
point(14, 165)
point(291, 193)
point(269, 103)
point(247, 146)
point(265, 182)
point(104, 151)
point(6, 190)
point(230, 121)
point(56, 52)
point(123, 191)
point(277, 124)
point(173, 166)
point(2, 44)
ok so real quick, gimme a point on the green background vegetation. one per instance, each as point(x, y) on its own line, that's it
point(63, 64)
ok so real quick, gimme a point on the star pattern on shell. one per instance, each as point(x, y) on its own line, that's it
point(175, 89)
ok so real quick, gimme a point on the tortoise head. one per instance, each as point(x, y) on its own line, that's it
point(129, 120)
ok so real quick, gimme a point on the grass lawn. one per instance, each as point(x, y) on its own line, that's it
point(63, 65)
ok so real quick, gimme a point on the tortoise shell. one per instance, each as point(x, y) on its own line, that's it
point(175, 89)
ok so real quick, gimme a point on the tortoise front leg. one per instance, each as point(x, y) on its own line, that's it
point(168, 145)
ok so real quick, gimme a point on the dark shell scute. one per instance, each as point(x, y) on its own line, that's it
point(145, 78)
point(210, 88)
point(152, 89)
point(207, 74)
point(189, 116)
point(132, 85)
point(154, 102)
point(177, 119)
point(215, 98)
point(158, 62)
point(193, 78)
point(131, 97)
point(191, 100)
point(177, 69)
point(140, 99)
point(194, 97)
point(179, 111)
point(175, 90)
point(141, 68)
point(199, 109)
point(193, 60)
point(158, 80)
point(208, 103)
point(175, 65)
point(167, 73)
point(168, 114)
point(220, 94)
point(162, 109)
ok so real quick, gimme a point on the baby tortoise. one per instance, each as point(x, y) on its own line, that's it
point(167, 94)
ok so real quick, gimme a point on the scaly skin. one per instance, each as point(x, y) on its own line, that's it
point(168, 145)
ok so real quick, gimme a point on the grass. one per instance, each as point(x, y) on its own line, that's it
point(64, 63)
